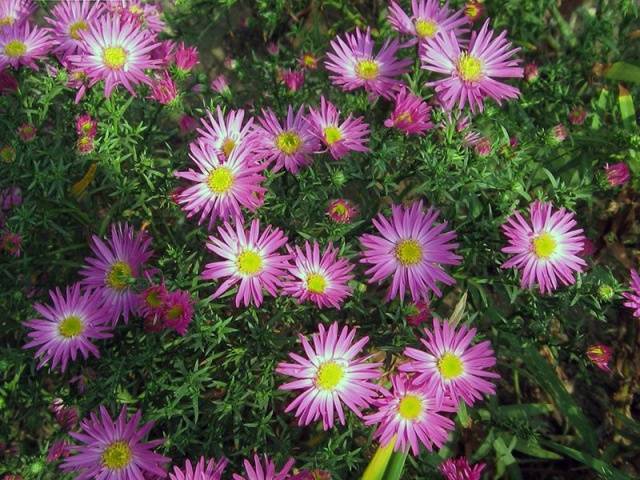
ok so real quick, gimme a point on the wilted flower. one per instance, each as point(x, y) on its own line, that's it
point(187, 124)
point(473, 10)
point(27, 132)
point(531, 72)
point(273, 48)
point(85, 145)
point(600, 355)
point(58, 449)
point(11, 243)
point(309, 61)
point(617, 173)
point(10, 197)
point(341, 210)
point(230, 63)
point(8, 82)
point(577, 116)
point(7, 154)
point(482, 147)
point(419, 312)
point(86, 126)
point(559, 133)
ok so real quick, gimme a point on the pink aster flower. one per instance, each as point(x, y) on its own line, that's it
point(471, 73)
point(67, 326)
point(115, 266)
point(117, 52)
point(114, 450)
point(164, 53)
point(412, 248)
point(633, 296)
point(23, 45)
point(163, 89)
point(203, 470)
point(546, 247)
point(289, 145)
point(428, 19)
point(354, 64)
point(249, 258)
point(318, 277)
point(331, 375)
point(617, 173)
point(85, 145)
point(226, 132)
point(66, 416)
point(86, 125)
point(414, 414)
point(600, 355)
point(459, 469)
point(186, 57)
point(451, 365)
point(145, 16)
point(178, 311)
point(264, 471)
point(411, 114)
point(338, 138)
point(221, 187)
point(341, 210)
point(69, 19)
point(15, 12)
point(293, 79)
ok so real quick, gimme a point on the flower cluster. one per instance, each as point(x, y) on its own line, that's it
point(429, 385)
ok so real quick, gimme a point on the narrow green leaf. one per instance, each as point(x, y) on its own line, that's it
point(378, 464)
point(533, 449)
point(605, 470)
point(627, 110)
point(396, 466)
point(544, 375)
point(623, 71)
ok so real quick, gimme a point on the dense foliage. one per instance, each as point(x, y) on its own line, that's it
point(214, 390)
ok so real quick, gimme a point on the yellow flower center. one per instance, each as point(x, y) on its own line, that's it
point(410, 407)
point(404, 117)
point(329, 376)
point(367, 69)
point(408, 252)
point(340, 210)
point(471, 10)
point(114, 57)
point(71, 326)
point(117, 456)
point(426, 28)
point(595, 351)
point(175, 312)
point(227, 146)
point(7, 153)
point(544, 245)
point(309, 60)
point(153, 299)
point(469, 68)
point(76, 27)
point(332, 135)
point(220, 180)
point(119, 275)
point(288, 142)
point(450, 366)
point(4, 21)
point(136, 10)
point(15, 48)
point(316, 283)
point(249, 263)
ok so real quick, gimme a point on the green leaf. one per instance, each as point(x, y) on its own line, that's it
point(605, 470)
point(623, 71)
point(378, 464)
point(543, 374)
point(533, 448)
point(627, 110)
point(396, 466)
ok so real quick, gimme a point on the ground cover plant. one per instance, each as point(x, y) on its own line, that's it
point(284, 239)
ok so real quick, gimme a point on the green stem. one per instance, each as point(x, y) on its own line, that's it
point(396, 466)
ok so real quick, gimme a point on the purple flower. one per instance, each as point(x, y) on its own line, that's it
point(186, 57)
point(459, 469)
point(266, 471)
point(22, 44)
point(68, 326)
point(114, 450)
point(411, 114)
point(633, 297)
point(203, 470)
point(428, 19)
point(115, 266)
point(293, 79)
